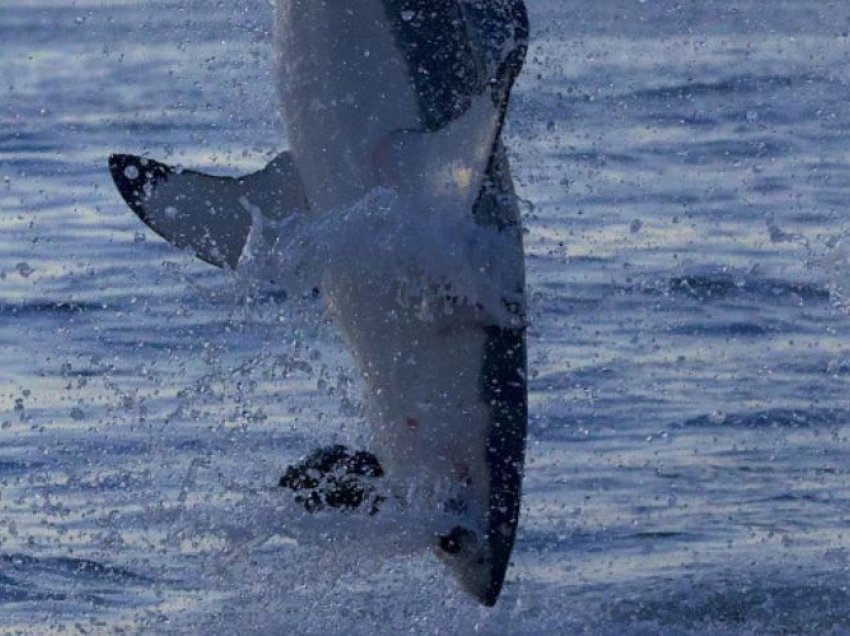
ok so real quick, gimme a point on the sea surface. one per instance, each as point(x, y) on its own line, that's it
point(684, 169)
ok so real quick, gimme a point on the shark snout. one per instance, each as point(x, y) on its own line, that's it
point(467, 554)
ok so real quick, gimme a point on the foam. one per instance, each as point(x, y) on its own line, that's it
point(422, 248)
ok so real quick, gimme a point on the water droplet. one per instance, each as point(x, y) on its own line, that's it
point(24, 269)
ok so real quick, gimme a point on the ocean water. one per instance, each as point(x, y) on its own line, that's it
point(685, 174)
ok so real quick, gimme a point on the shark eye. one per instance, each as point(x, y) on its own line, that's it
point(452, 543)
point(449, 545)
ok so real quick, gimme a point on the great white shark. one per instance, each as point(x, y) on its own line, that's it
point(405, 98)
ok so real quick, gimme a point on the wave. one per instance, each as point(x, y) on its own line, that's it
point(47, 307)
point(774, 418)
point(738, 85)
point(720, 286)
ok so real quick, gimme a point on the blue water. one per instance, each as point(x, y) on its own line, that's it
point(685, 175)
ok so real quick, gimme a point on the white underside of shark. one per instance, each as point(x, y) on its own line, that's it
point(376, 210)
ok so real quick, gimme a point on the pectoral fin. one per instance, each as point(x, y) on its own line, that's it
point(209, 215)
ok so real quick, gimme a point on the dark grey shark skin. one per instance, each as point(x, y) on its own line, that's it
point(504, 387)
point(455, 51)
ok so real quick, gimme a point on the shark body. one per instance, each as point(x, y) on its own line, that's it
point(405, 97)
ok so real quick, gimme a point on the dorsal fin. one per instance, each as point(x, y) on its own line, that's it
point(209, 215)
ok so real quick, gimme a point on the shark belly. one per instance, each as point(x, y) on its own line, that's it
point(429, 421)
point(344, 88)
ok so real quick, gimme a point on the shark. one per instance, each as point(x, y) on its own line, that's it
point(395, 200)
